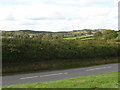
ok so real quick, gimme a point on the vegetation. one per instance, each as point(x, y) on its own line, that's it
point(109, 80)
point(80, 37)
point(98, 35)
point(110, 34)
point(49, 50)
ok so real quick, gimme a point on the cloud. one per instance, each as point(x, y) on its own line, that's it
point(10, 18)
point(85, 3)
point(57, 15)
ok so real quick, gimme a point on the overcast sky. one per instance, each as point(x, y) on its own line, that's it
point(58, 15)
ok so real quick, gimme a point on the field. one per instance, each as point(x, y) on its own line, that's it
point(81, 37)
point(108, 80)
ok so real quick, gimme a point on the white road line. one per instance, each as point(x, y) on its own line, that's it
point(65, 73)
point(29, 77)
point(51, 74)
point(97, 68)
point(44, 75)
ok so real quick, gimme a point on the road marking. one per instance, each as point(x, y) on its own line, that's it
point(97, 68)
point(53, 74)
point(29, 77)
point(44, 75)
point(65, 73)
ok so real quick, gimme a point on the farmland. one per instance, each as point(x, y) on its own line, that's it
point(81, 37)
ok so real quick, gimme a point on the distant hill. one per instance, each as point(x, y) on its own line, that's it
point(74, 31)
point(32, 31)
point(29, 31)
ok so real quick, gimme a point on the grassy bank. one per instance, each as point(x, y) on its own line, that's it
point(16, 68)
point(109, 80)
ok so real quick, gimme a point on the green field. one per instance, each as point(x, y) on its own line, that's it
point(81, 37)
point(108, 80)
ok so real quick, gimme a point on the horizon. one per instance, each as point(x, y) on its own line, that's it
point(59, 31)
point(56, 16)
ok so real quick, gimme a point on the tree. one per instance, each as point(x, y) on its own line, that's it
point(109, 34)
point(98, 35)
point(89, 32)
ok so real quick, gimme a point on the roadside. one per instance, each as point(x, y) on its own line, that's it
point(95, 81)
point(58, 74)
point(52, 65)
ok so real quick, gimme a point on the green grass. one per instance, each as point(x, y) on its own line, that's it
point(15, 68)
point(81, 37)
point(88, 38)
point(108, 80)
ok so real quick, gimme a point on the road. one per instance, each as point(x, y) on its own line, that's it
point(58, 75)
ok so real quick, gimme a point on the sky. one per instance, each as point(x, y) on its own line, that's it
point(58, 15)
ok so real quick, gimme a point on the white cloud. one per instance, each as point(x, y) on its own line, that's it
point(47, 16)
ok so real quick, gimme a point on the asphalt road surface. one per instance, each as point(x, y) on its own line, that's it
point(58, 75)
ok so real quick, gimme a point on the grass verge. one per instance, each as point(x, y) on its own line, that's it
point(15, 68)
point(108, 80)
